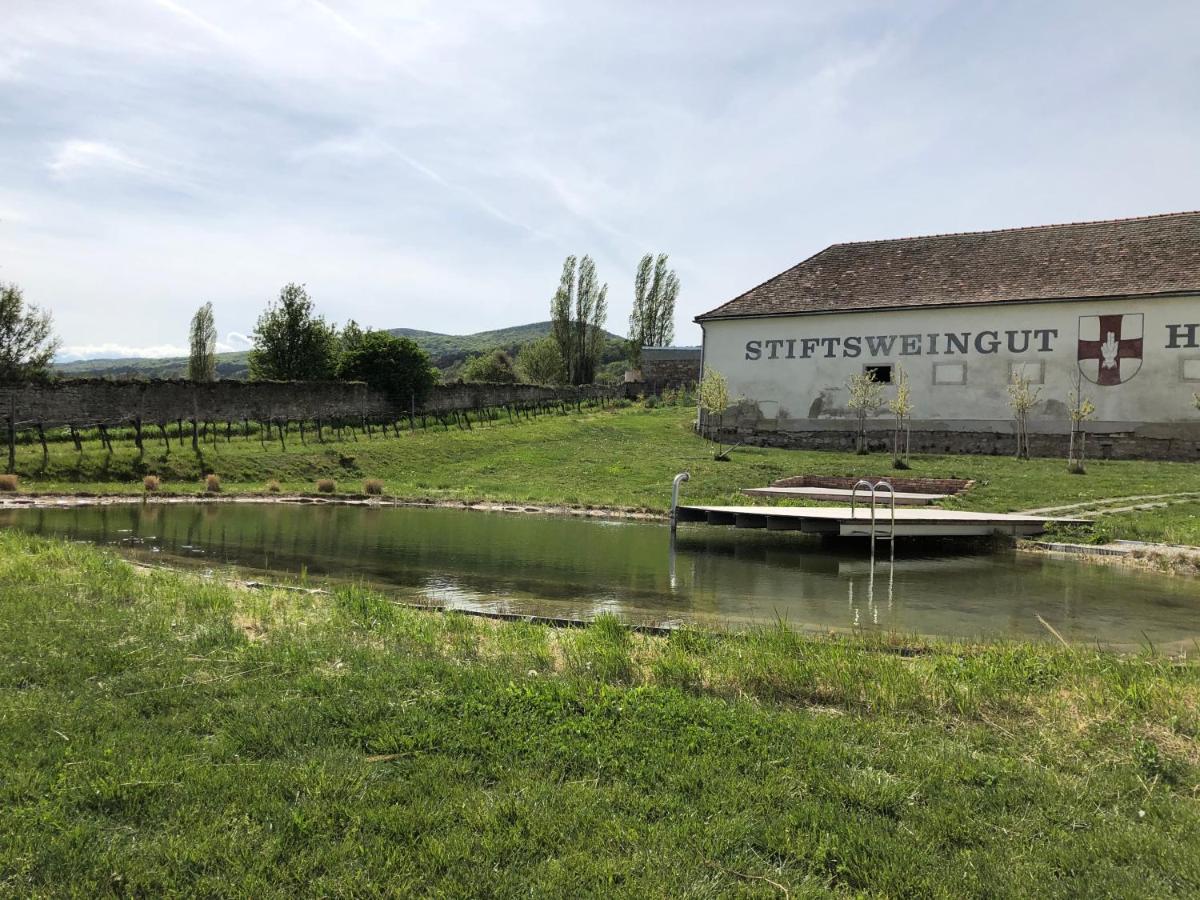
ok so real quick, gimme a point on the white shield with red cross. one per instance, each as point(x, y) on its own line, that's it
point(1110, 347)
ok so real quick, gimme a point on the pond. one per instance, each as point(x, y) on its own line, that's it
point(577, 568)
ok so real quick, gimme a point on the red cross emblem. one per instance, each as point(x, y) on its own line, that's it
point(1110, 347)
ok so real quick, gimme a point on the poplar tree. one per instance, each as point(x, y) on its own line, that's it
point(578, 313)
point(652, 319)
point(202, 361)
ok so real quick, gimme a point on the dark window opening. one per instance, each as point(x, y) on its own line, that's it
point(882, 374)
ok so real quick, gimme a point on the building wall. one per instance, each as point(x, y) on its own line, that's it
point(792, 371)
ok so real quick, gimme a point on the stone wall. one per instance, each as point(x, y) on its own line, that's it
point(1184, 447)
point(94, 401)
point(665, 368)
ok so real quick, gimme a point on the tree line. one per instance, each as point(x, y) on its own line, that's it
point(292, 342)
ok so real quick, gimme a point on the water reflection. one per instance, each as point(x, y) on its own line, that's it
point(577, 568)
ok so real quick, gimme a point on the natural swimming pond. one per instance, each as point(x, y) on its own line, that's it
point(578, 568)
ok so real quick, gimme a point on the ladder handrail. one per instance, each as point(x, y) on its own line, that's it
point(854, 494)
point(879, 485)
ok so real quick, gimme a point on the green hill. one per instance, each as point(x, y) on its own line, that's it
point(448, 352)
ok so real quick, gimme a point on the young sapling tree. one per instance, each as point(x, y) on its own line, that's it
point(1022, 396)
point(866, 396)
point(1080, 408)
point(901, 407)
point(712, 395)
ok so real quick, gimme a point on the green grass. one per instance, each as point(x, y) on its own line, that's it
point(166, 735)
point(611, 458)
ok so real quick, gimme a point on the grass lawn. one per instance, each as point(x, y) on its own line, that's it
point(616, 458)
point(162, 734)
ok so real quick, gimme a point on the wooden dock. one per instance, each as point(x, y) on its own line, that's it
point(841, 520)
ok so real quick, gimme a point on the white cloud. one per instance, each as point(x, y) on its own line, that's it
point(109, 350)
point(76, 158)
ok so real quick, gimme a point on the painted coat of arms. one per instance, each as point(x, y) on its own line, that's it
point(1110, 347)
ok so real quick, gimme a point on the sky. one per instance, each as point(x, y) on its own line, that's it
point(430, 164)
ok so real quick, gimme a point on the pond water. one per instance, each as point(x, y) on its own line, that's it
point(578, 568)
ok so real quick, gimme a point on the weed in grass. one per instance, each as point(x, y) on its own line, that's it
point(151, 483)
point(9, 482)
point(212, 483)
point(373, 486)
point(326, 486)
point(602, 651)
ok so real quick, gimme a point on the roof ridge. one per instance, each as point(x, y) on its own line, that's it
point(924, 237)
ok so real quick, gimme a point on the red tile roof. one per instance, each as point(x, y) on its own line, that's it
point(1117, 258)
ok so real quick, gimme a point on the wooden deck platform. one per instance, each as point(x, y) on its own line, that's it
point(840, 521)
point(903, 498)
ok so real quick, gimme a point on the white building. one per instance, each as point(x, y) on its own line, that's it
point(1111, 307)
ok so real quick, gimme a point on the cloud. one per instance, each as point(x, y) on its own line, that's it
point(234, 341)
point(111, 350)
point(77, 158)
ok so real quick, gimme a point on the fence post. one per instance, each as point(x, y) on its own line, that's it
point(12, 434)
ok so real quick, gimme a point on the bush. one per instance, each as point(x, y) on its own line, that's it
point(495, 367)
point(273, 487)
point(9, 482)
point(326, 486)
point(396, 366)
point(542, 362)
point(373, 486)
point(151, 483)
point(212, 483)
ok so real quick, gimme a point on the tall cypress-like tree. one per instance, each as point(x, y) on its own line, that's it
point(202, 361)
point(652, 319)
point(578, 313)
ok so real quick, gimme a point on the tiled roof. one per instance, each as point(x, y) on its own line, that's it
point(1122, 257)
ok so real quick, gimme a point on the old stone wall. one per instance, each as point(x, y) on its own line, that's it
point(95, 401)
point(1110, 445)
point(672, 372)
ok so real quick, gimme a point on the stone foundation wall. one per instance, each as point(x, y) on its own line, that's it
point(1111, 445)
point(95, 401)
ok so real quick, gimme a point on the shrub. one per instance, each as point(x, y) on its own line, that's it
point(9, 482)
point(273, 487)
point(373, 486)
point(212, 483)
point(151, 483)
point(326, 486)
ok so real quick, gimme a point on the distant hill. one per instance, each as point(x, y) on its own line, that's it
point(448, 352)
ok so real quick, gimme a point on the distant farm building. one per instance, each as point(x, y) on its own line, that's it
point(1111, 308)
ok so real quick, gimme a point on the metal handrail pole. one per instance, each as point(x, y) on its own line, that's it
point(679, 479)
point(892, 494)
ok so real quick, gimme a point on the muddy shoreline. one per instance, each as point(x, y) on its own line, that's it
point(59, 501)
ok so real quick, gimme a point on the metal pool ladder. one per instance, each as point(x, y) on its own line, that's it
point(875, 489)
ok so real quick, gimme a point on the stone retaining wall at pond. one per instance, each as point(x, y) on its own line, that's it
point(100, 401)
